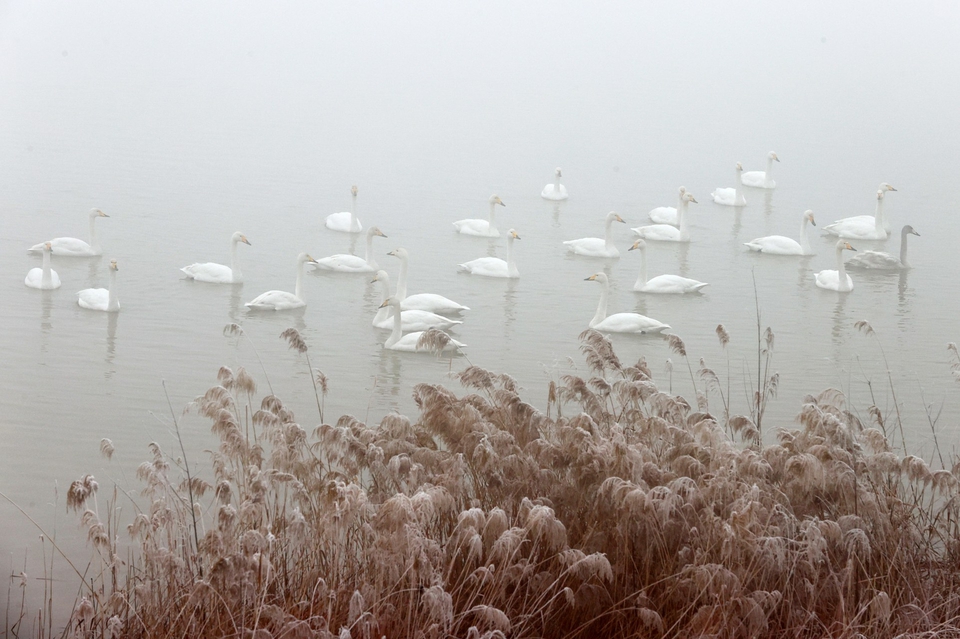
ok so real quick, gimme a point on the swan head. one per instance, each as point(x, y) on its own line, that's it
point(97, 213)
point(739, 167)
point(374, 231)
point(495, 199)
point(513, 235)
point(305, 257)
point(380, 276)
point(683, 190)
point(613, 217)
point(880, 195)
point(808, 216)
point(353, 190)
point(240, 237)
point(886, 187)
point(842, 244)
point(559, 174)
point(638, 245)
point(773, 156)
point(400, 253)
point(47, 247)
point(906, 229)
point(688, 197)
point(113, 265)
point(390, 301)
point(597, 277)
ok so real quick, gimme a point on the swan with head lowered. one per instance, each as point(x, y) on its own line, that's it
point(71, 246)
point(880, 261)
point(494, 266)
point(780, 245)
point(343, 263)
point(218, 273)
point(555, 191)
point(864, 227)
point(668, 214)
point(595, 246)
point(421, 301)
point(620, 322)
point(400, 342)
point(101, 299)
point(837, 280)
point(669, 284)
point(44, 278)
point(731, 196)
point(666, 232)
point(346, 221)
point(481, 228)
point(412, 320)
point(282, 300)
point(762, 179)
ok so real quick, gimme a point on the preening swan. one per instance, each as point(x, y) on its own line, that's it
point(861, 227)
point(555, 191)
point(671, 284)
point(412, 320)
point(731, 196)
point(45, 277)
point(101, 299)
point(780, 245)
point(837, 280)
point(218, 273)
point(346, 222)
point(421, 301)
point(483, 228)
point(594, 246)
point(620, 322)
point(762, 179)
point(878, 260)
point(665, 232)
point(668, 214)
point(352, 263)
point(282, 300)
point(71, 246)
point(494, 266)
point(400, 342)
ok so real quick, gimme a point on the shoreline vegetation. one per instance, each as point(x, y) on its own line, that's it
point(621, 511)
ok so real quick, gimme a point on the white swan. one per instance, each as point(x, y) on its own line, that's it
point(282, 300)
point(494, 266)
point(71, 246)
point(668, 214)
point(885, 187)
point(421, 301)
point(861, 227)
point(837, 280)
point(594, 246)
point(218, 273)
point(44, 277)
point(620, 322)
point(351, 263)
point(346, 222)
point(412, 320)
point(400, 342)
point(101, 299)
point(780, 245)
point(671, 284)
point(482, 228)
point(762, 179)
point(878, 260)
point(666, 232)
point(555, 191)
point(731, 196)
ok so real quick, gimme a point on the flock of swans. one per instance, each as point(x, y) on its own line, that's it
point(408, 316)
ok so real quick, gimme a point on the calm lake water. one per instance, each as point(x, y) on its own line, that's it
point(185, 127)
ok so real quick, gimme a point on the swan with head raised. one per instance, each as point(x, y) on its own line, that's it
point(781, 245)
point(666, 232)
point(595, 246)
point(620, 322)
point(421, 301)
point(837, 280)
point(669, 284)
point(494, 266)
point(864, 227)
point(762, 179)
point(218, 273)
point(44, 278)
point(668, 214)
point(71, 246)
point(412, 320)
point(282, 300)
point(343, 263)
point(555, 191)
point(346, 221)
point(101, 299)
point(400, 342)
point(731, 196)
point(881, 261)
point(481, 228)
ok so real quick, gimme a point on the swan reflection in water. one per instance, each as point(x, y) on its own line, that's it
point(112, 319)
point(46, 325)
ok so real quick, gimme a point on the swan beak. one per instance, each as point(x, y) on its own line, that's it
point(620, 219)
point(514, 235)
point(813, 221)
point(694, 200)
point(500, 202)
point(375, 279)
point(590, 279)
point(915, 233)
point(310, 259)
point(245, 241)
point(392, 253)
point(102, 214)
point(385, 304)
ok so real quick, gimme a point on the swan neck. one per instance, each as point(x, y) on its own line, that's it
point(511, 267)
point(804, 242)
point(682, 220)
point(46, 280)
point(493, 222)
point(738, 190)
point(903, 248)
point(369, 251)
point(642, 276)
point(556, 184)
point(112, 303)
point(397, 331)
point(234, 262)
point(402, 280)
point(608, 234)
point(878, 219)
point(602, 306)
point(94, 244)
point(353, 210)
point(768, 176)
point(841, 271)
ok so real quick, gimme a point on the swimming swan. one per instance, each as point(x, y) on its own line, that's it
point(731, 196)
point(837, 280)
point(421, 301)
point(482, 228)
point(352, 263)
point(620, 322)
point(780, 245)
point(218, 273)
point(762, 179)
point(594, 246)
point(71, 246)
point(861, 227)
point(282, 300)
point(101, 299)
point(494, 266)
point(665, 232)
point(44, 278)
point(667, 214)
point(400, 342)
point(671, 284)
point(878, 260)
point(346, 222)
point(412, 320)
point(555, 191)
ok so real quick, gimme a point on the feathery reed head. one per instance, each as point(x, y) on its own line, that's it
point(294, 340)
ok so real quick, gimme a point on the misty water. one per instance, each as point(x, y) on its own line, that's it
point(185, 124)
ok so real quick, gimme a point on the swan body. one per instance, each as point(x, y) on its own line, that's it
point(620, 322)
point(762, 179)
point(731, 196)
point(44, 278)
point(669, 284)
point(595, 246)
point(71, 246)
point(837, 280)
point(482, 228)
point(494, 266)
point(282, 300)
point(780, 245)
point(400, 342)
point(101, 299)
point(342, 263)
point(667, 214)
point(412, 320)
point(346, 222)
point(666, 232)
point(878, 260)
point(555, 191)
point(218, 273)
point(421, 301)
point(861, 227)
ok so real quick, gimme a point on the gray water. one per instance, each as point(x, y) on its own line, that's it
point(186, 123)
